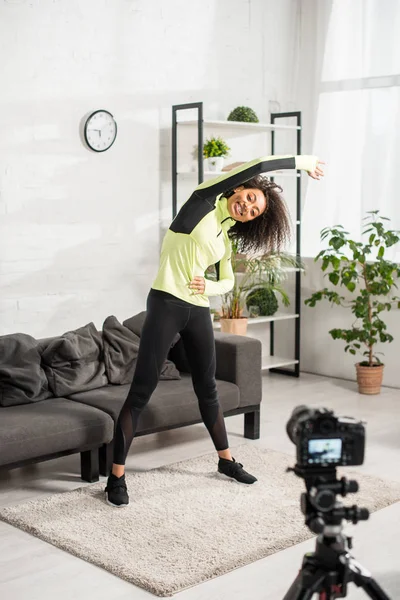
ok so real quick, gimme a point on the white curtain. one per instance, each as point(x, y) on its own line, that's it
point(356, 117)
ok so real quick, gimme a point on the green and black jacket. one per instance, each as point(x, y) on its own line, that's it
point(197, 237)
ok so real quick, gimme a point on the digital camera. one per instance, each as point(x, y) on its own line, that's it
point(325, 440)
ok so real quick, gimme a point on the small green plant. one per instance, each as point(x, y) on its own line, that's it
point(267, 271)
point(372, 282)
point(215, 146)
point(243, 114)
point(265, 299)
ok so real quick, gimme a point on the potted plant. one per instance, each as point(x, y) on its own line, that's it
point(265, 299)
point(214, 151)
point(268, 272)
point(263, 272)
point(243, 114)
point(371, 281)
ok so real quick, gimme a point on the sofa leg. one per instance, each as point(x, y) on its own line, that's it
point(90, 465)
point(106, 458)
point(252, 425)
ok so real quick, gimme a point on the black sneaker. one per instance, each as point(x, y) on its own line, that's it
point(235, 470)
point(116, 491)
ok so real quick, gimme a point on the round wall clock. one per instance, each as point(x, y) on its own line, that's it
point(100, 130)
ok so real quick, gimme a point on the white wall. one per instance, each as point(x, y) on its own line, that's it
point(80, 231)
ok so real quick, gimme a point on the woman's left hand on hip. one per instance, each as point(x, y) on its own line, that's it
point(198, 284)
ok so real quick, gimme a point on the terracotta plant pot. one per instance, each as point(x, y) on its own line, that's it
point(369, 379)
point(236, 326)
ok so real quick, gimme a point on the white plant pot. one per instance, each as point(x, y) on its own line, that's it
point(214, 163)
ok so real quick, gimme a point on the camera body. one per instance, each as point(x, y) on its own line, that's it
point(325, 440)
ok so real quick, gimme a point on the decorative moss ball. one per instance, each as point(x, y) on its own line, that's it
point(265, 299)
point(243, 114)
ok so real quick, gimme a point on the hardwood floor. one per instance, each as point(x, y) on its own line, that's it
point(31, 569)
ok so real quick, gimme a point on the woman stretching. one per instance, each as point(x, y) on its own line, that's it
point(241, 205)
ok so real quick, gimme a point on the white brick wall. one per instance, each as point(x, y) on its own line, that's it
point(80, 231)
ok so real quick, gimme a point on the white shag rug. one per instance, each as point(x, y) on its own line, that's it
point(185, 524)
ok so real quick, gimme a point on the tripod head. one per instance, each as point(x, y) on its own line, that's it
point(323, 512)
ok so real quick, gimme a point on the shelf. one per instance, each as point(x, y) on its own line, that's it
point(272, 362)
point(254, 320)
point(286, 269)
point(289, 173)
point(185, 172)
point(240, 125)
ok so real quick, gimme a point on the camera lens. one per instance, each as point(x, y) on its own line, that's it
point(298, 414)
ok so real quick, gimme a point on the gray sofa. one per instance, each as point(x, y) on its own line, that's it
point(54, 422)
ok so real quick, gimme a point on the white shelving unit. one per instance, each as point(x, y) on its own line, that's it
point(268, 361)
point(238, 125)
point(272, 362)
point(255, 320)
point(286, 269)
point(216, 173)
point(234, 128)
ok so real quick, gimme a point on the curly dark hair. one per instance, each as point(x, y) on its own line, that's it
point(272, 229)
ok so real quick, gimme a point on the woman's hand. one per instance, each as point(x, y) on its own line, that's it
point(318, 173)
point(198, 284)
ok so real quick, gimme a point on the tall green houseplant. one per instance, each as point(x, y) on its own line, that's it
point(352, 265)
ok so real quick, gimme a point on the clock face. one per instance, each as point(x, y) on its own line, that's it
point(100, 130)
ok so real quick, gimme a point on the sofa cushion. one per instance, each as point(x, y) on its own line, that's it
point(172, 403)
point(22, 379)
point(74, 361)
point(51, 426)
point(121, 348)
point(135, 324)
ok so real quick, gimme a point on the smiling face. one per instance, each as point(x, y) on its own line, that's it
point(246, 204)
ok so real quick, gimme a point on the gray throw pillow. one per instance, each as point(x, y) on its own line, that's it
point(135, 324)
point(22, 379)
point(169, 370)
point(121, 347)
point(74, 361)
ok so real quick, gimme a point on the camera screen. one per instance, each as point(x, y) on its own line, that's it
point(324, 451)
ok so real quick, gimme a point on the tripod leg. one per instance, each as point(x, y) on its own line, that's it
point(305, 585)
point(362, 578)
point(371, 587)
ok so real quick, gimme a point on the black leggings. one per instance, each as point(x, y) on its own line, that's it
point(167, 315)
